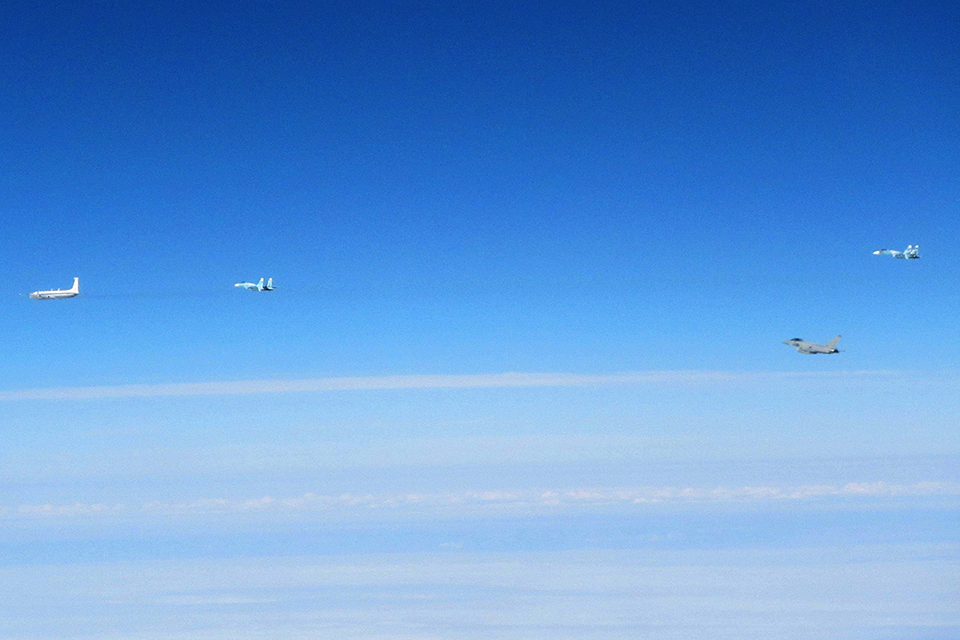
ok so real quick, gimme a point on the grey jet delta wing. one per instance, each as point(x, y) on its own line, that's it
point(56, 294)
point(812, 347)
point(257, 287)
point(912, 252)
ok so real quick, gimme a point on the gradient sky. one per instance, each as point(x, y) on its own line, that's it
point(624, 206)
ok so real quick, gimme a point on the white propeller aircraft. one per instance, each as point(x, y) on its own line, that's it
point(258, 286)
point(56, 294)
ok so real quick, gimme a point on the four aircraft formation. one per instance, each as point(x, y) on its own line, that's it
point(912, 252)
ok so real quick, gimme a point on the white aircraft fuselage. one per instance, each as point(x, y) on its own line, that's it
point(57, 294)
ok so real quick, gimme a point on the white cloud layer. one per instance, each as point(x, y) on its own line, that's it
point(420, 381)
point(499, 501)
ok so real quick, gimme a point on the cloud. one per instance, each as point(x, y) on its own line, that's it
point(419, 381)
point(479, 502)
point(76, 509)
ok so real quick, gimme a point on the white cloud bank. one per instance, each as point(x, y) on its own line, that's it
point(499, 501)
point(422, 381)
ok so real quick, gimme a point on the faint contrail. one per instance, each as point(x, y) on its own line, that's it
point(157, 295)
point(470, 381)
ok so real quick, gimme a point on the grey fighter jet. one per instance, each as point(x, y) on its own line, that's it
point(910, 253)
point(813, 348)
point(258, 286)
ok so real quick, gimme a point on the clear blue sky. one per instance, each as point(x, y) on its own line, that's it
point(466, 189)
point(474, 187)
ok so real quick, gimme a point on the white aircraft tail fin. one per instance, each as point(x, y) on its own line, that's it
point(270, 283)
point(76, 286)
point(833, 343)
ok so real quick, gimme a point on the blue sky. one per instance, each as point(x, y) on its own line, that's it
point(474, 188)
point(535, 263)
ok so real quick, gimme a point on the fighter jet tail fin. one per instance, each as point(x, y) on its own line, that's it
point(270, 283)
point(833, 343)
